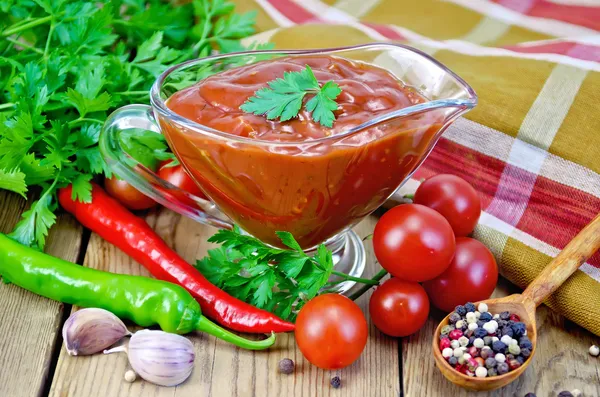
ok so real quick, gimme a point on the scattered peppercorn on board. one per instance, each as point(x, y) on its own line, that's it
point(34, 362)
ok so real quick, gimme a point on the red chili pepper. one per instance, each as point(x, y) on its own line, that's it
point(114, 223)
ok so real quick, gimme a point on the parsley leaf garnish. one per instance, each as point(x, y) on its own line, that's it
point(65, 65)
point(283, 98)
point(278, 280)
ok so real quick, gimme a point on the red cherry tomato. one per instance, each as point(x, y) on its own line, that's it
point(127, 195)
point(454, 198)
point(178, 176)
point(331, 331)
point(398, 307)
point(471, 277)
point(413, 242)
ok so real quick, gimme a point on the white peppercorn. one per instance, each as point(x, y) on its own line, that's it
point(594, 350)
point(447, 352)
point(481, 372)
point(471, 317)
point(500, 357)
point(514, 349)
point(482, 308)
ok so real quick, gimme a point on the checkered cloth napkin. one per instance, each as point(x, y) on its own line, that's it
point(532, 145)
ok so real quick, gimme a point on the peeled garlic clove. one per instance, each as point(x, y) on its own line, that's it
point(89, 331)
point(160, 357)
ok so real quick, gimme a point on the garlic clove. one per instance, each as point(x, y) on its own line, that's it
point(89, 331)
point(160, 357)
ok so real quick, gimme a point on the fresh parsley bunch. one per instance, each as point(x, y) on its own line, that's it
point(277, 280)
point(65, 65)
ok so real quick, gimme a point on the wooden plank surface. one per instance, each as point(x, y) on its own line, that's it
point(561, 362)
point(222, 369)
point(30, 324)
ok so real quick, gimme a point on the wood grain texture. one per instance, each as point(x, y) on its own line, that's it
point(30, 324)
point(561, 362)
point(222, 369)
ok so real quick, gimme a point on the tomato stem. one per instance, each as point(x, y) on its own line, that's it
point(381, 274)
point(410, 196)
point(357, 279)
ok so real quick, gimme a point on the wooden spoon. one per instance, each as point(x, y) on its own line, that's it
point(524, 305)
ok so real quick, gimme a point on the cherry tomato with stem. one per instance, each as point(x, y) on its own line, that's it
point(127, 195)
point(454, 198)
point(331, 331)
point(413, 242)
point(399, 308)
point(471, 277)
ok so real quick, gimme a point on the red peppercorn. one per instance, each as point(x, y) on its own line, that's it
point(455, 334)
point(444, 343)
point(461, 368)
point(513, 364)
point(480, 361)
point(472, 364)
point(473, 351)
point(515, 318)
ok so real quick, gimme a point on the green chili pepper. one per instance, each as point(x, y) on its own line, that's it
point(143, 300)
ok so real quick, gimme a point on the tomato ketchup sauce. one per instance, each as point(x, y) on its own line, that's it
point(298, 175)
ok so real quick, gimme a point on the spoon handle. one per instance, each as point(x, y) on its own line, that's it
point(568, 260)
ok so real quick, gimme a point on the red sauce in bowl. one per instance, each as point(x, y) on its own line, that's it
point(311, 187)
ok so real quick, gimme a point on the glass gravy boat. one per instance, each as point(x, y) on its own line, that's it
point(318, 189)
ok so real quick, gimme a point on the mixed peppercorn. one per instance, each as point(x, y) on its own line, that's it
point(477, 343)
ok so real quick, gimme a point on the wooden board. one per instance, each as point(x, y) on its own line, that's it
point(221, 369)
point(561, 363)
point(30, 324)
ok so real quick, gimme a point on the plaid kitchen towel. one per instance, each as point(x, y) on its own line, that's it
point(532, 145)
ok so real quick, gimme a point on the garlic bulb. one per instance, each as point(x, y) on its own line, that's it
point(89, 331)
point(159, 357)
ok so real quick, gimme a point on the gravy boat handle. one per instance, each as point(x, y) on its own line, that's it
point(144, 179)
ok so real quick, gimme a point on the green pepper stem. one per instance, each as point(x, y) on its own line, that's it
point(211, 328)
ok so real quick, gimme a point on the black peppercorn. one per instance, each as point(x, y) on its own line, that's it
point(286, 366)
point(454, 317)
point(485, 317)
point(504, 315)
point(453, 361)
point(470, 307)
point(525, 343)
point(499, 347)
point(480, 333)
point(460, 309)
point(518, 329)
point(565, 394)
point(525, 352)
point(530, 395)
point(480, 323)
point(336, 382)
point(507, 331)
point(520, 359)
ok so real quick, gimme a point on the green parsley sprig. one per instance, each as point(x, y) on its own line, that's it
point(284, 97)
point(278, 280)
point(65, 65)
